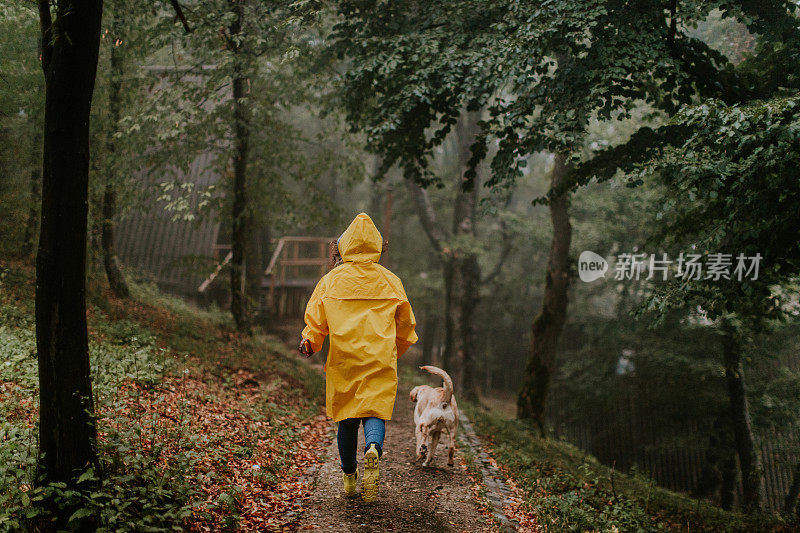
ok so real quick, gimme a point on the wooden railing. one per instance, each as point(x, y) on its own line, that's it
point(287, 267)
point(296, 265)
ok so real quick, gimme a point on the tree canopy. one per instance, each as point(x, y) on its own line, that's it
point(541, 69)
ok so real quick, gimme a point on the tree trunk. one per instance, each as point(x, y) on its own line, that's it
point(790, 503)
point(429, 327)
point(67, 433)
point(719, 456)
point(464, 271)
point(727, 493)
point(116, 279)
point(462, 279)
point(752, 481)
point(386, 230)
point(462, 276)
point(547, 325)
point(381, 199)
point(241, 223)
point(94, 256)
point(253, 268)
point(31, 225)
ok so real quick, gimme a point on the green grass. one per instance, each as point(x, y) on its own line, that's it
point(570, 490)
point(149, 294)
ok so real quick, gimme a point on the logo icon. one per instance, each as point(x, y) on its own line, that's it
point(591, 266)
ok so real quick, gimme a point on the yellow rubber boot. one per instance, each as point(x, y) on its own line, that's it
point(350, 484)
point(369, 485)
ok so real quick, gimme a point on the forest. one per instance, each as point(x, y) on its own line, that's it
point(593, 208)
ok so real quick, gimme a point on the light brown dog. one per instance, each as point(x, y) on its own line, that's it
point(436, 411)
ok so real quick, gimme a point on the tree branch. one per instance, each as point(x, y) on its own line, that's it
point(605, 163)
point(427, 215)
point(179, 12)
point(504, 253)
point(46, 28)
point(673, 26)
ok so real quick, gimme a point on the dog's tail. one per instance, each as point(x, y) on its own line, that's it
point(448, 383)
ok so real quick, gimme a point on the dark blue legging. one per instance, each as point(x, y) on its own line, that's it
point(347, 439)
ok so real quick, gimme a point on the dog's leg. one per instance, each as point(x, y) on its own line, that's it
point(432, 450)
point(451, 448)
point(420, 439)
point(425, 449)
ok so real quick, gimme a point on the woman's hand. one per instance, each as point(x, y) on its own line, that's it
point(305, 348)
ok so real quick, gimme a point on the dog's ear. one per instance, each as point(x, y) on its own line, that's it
point(413, 394)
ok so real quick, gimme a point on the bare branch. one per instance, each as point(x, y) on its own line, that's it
point(179, 12)
point(504, 253)
point(673, 27)
point(505, 250)
point(427, 215)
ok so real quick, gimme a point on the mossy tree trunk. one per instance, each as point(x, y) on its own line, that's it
point(116, 279)
point(549, 323)
point(753, 494)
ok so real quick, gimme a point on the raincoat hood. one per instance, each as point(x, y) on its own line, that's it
point(361, 241)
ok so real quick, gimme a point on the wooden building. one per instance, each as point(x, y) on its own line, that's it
point(190, 258)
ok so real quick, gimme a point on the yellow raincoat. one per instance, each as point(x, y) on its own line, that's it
point(365, 310)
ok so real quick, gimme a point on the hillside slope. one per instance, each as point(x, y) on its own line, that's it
point(199, 428)
point(570, 490)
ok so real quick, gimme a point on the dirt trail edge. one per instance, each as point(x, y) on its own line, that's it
point(412, 498)
point(497, 492)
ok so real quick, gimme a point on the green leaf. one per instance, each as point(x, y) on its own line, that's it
point(83, 512)
point(88, 475)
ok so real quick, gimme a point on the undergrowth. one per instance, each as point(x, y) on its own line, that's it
point(192, 419)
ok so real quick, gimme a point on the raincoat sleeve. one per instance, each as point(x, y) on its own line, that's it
point(316, 322)
point(405, 322)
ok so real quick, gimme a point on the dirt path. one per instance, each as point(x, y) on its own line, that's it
point(412, 498)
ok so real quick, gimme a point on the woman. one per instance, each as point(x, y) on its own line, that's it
point(365, 310)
